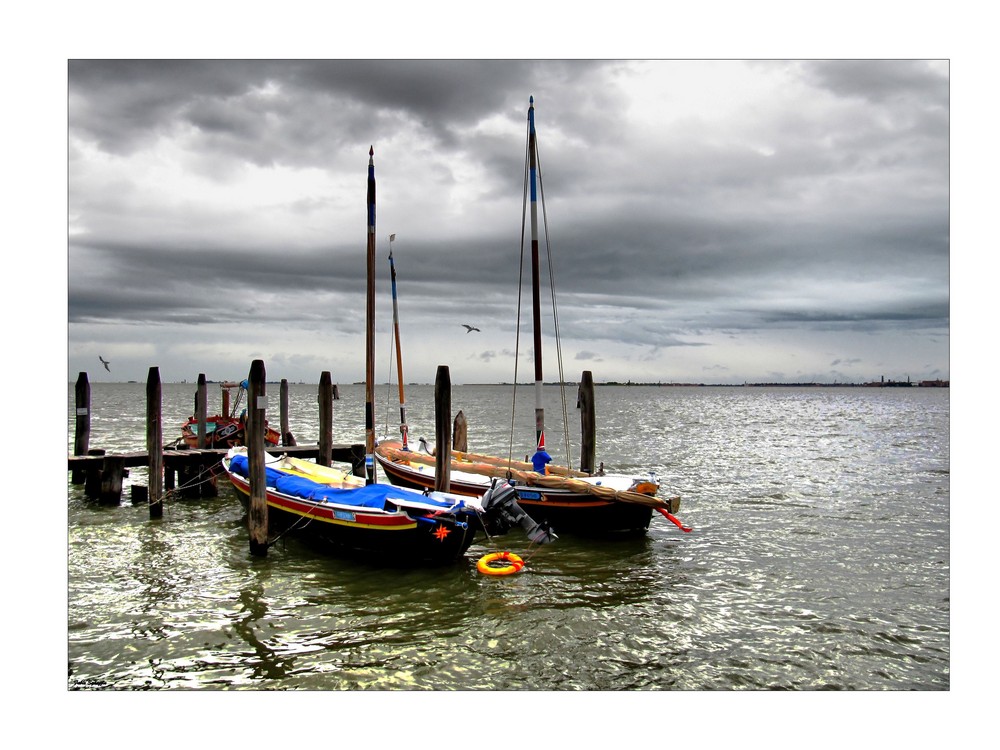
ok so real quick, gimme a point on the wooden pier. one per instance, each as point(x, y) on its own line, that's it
point(191, 472)
point(180, 456)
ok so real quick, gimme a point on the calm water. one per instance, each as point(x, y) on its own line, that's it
point(819, 559)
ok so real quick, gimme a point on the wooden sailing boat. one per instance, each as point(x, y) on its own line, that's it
point(226, 429)
point(564, 498)
point(344, 513)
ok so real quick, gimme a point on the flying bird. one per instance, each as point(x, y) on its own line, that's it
point(104, 362)
point(470, 329)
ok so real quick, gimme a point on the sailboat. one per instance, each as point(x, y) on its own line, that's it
point(587, 502)
point(357, 515)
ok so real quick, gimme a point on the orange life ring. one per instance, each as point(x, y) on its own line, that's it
point(486, 564)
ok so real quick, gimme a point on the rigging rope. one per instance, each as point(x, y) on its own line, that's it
point(555, 313)
point(520, 286)
point(202, 477)
point(236, 403)
point(388, 391)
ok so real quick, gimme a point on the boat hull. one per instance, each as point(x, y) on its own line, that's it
point(583, 514)
point(564, 510)
point(392, 537)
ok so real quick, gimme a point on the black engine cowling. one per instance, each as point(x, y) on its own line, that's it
point(502, 513)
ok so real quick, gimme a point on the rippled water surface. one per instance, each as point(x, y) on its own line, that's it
point(819, 559)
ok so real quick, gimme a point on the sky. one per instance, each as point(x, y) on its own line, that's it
point(708, 221)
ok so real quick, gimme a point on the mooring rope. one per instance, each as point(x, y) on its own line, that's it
point(294, 527)
point(202, 477)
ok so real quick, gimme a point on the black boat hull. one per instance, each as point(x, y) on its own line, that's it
point(564, 511)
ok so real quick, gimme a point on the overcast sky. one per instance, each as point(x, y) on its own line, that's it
point(709, 221)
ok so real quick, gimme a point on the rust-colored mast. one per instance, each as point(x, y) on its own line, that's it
point(535, 293)
point(370, 329)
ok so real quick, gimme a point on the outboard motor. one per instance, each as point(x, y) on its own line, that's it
point(502, 513)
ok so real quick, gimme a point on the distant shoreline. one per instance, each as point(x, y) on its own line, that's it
point(629, 384)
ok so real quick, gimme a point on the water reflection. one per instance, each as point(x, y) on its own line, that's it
point(262, 660)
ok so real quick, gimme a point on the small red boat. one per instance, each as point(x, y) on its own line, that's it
point(226, 431)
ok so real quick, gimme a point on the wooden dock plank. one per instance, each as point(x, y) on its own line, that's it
point(344, 453)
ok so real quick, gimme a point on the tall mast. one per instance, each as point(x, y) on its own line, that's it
point(535, 294)
point(370, 329)
point(403, 428)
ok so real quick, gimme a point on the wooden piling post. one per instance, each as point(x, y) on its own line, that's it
point(442, 429)
point(201, 401)
point(287, 438)
point(81, 440)
point(588, 423)
point(358, 459)
point(325, 397)
point(92, 481)
point(154, 441)
point(225, 401)
point(207, 481)
point(189, 474)
point(111, 480)
point(256, 403)
point(460, 437)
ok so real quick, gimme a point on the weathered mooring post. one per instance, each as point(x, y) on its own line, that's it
point(460, 437)
point(104, 484)
point(588, 423)
point(287, 438)
point(201, 401)
point(324, 445)
point(154, 441)
point(81, 440)
point(442, 429)
point(256, 407)
point(358, 460)
point(92, 481)
point(203, 479)
point(111, 480)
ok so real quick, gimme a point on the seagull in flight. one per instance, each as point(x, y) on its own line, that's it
point(104, 362)
point(470, 329)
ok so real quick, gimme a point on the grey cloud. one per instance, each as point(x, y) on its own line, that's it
point(832, 214)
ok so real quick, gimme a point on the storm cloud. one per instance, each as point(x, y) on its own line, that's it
point(708, 220)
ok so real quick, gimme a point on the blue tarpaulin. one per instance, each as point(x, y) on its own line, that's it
point(368, 496)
